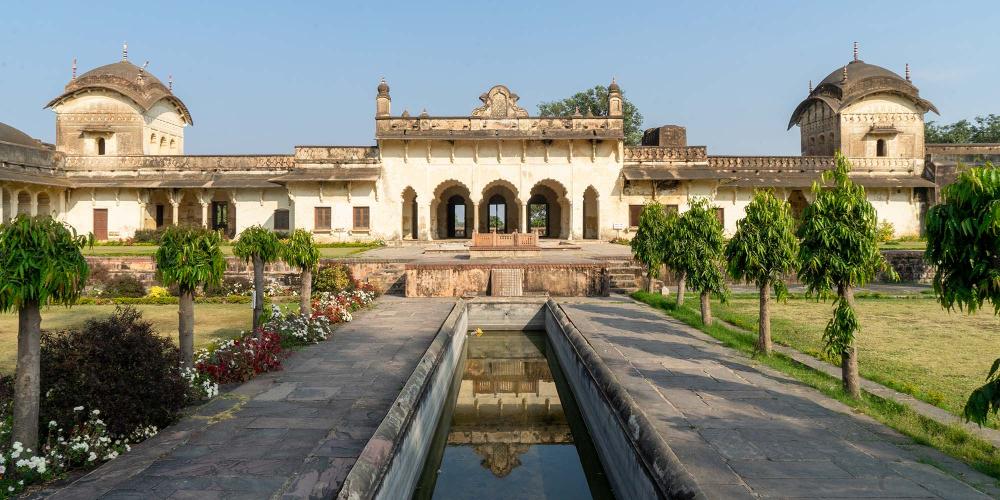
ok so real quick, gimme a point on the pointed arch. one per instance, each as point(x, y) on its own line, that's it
point(591, 214)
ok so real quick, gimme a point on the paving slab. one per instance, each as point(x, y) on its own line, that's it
point(311, 420)
point(746, 431)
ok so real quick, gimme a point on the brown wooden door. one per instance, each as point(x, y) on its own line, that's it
point(101, 223)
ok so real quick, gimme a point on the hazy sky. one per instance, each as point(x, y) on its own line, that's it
point(262, 78)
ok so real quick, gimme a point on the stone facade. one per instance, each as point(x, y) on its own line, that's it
point(118, 166)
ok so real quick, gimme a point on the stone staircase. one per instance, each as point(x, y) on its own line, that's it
point(624, 276)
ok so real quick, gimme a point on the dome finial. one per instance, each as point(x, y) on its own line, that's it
point(844, 79)
point(125, 51)
point(855, 51)
point(907, 71)
point(170, 83)
point(74, 68)
point(614, 85)
point(810, 86)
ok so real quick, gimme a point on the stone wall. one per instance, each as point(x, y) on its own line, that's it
point(558, 280)
point(910, 265)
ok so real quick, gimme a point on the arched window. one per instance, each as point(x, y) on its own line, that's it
point(880, 147)
point(163, 144)
point(173, 146)
point(152, 138)
point(100, 146)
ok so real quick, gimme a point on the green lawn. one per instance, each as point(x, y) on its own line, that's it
point(904, 245)
point(910, 344)
point(122, 250)
point(212, 321)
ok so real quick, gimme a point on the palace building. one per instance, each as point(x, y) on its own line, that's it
point(118, 166)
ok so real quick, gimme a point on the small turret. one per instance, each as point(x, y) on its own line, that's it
point(615, 107)
point(382, 100)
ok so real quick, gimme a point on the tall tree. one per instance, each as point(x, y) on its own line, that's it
point(963, 243)
point(983, 129)
point(839, 251)
point(673, 255)
point(762, 251)
point(300, 251)
point(258, 245)
point(648, 244)
point(698, 244)
point(189, 257)
point(40, 263)
point(595, 102)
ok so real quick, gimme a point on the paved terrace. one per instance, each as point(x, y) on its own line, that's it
point(745, 431)
point(284, 433)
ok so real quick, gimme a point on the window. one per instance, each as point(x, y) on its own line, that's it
point(671, 209)
point(720, 215)
point(100, 146)
point(281, 219)
point(361, 218)
point(880, 147)
point(633, 215)
point(159, 216)
point(321, 220)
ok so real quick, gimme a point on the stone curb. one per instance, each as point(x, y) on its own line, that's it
point(666, 471)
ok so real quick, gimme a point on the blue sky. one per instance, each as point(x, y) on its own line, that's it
point(264, 77)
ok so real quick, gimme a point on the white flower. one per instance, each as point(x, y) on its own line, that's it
point(96, 412)
point(92, 457)
point(52, 423)
point(78, 408)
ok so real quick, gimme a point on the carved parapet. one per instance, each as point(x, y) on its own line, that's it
point(666, 153)
point(811, 163)
point(187, 163)
point(499, 128)
point(336, 154)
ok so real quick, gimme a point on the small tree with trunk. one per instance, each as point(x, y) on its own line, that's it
point(963, 243)
point(648, 243)
point(189, 257)
point(762, 251)
point(258, 245)
point(300, 251)
point(40, 263)
point(838, 252)
point(697, 245)
point(673, 256)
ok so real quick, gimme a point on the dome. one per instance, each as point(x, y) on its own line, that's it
point(383, 88)
point(127, 79)
point(15, 136)
point(862, 80)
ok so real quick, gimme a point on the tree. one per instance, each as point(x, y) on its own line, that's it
point(762, 251)
point(595, 102)
point(986, 129)
point(40, 263)
point(189, 257)
point(839, 251)
point(259, 245)
point(673, 255)
point(697, 242)
point(963, 243)
point(300, 251)
point(648, 243)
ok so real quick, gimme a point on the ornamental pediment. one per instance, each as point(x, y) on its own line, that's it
point(499, 103)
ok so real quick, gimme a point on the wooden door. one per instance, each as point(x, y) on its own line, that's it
point(101, 224)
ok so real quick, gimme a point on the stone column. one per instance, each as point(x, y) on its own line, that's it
point(204, 214)
point(572, 220)
point(34, 204)
point(176, 213)
point(13, 204)
point(142, 217)
point(475, 217)
point(524, 218)
point(2, 218)
point(428, 217)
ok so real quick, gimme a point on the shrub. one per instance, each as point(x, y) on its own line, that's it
point(99, 273)
point(233, 285)
point(332, 279)
point(150, 236)
point(124, 285)
point(157, 292)
point(885, 231)
point(297, 330)
point(240, 359)
point(118, 365)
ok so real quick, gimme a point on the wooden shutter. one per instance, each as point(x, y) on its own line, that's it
point(634, 211)
point(281, 220)
point(322, 216)
point(101, 223)
point(361, 217)
point(720, 215)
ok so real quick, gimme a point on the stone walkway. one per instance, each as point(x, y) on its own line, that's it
point(745, 431)
point(296, 432)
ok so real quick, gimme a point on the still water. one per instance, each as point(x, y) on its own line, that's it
point(511, 428)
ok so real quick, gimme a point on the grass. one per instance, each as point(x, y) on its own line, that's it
point(950, 439)
point(910, 344)
point(212, 321)
point(904, 245)
point(143, 250)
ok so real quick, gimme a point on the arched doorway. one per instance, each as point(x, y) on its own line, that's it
point(497, 214)
point(409, 229)
point(23, 203)
point(451, 207)
point(591, 218)
point(44, 204)
point(540, 216)
point(547, 209)
point(798, 203)
point(500, 209)
point(456, 217)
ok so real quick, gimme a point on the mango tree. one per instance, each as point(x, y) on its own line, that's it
point(260, 246)
point(300, 251)
point(838, 251)
point(648, 244)
point(40, 263)
point(189, 257)
point(761, 252)
point(697, 245)
point(963, 243)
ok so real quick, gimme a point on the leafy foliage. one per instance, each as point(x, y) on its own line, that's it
point(257, 241)
point(986, 129)
point(695, 245)
point(189, 257)
point(595, 101)
point(40, 262)
point(963, 242)
point(839, 248)
point(119, 365)
point(124, 285)
point(332, 279)
point(649, 243)
point(300, 251)
point(764, 247)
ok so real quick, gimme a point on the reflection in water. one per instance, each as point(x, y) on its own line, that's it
point(508, 435)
